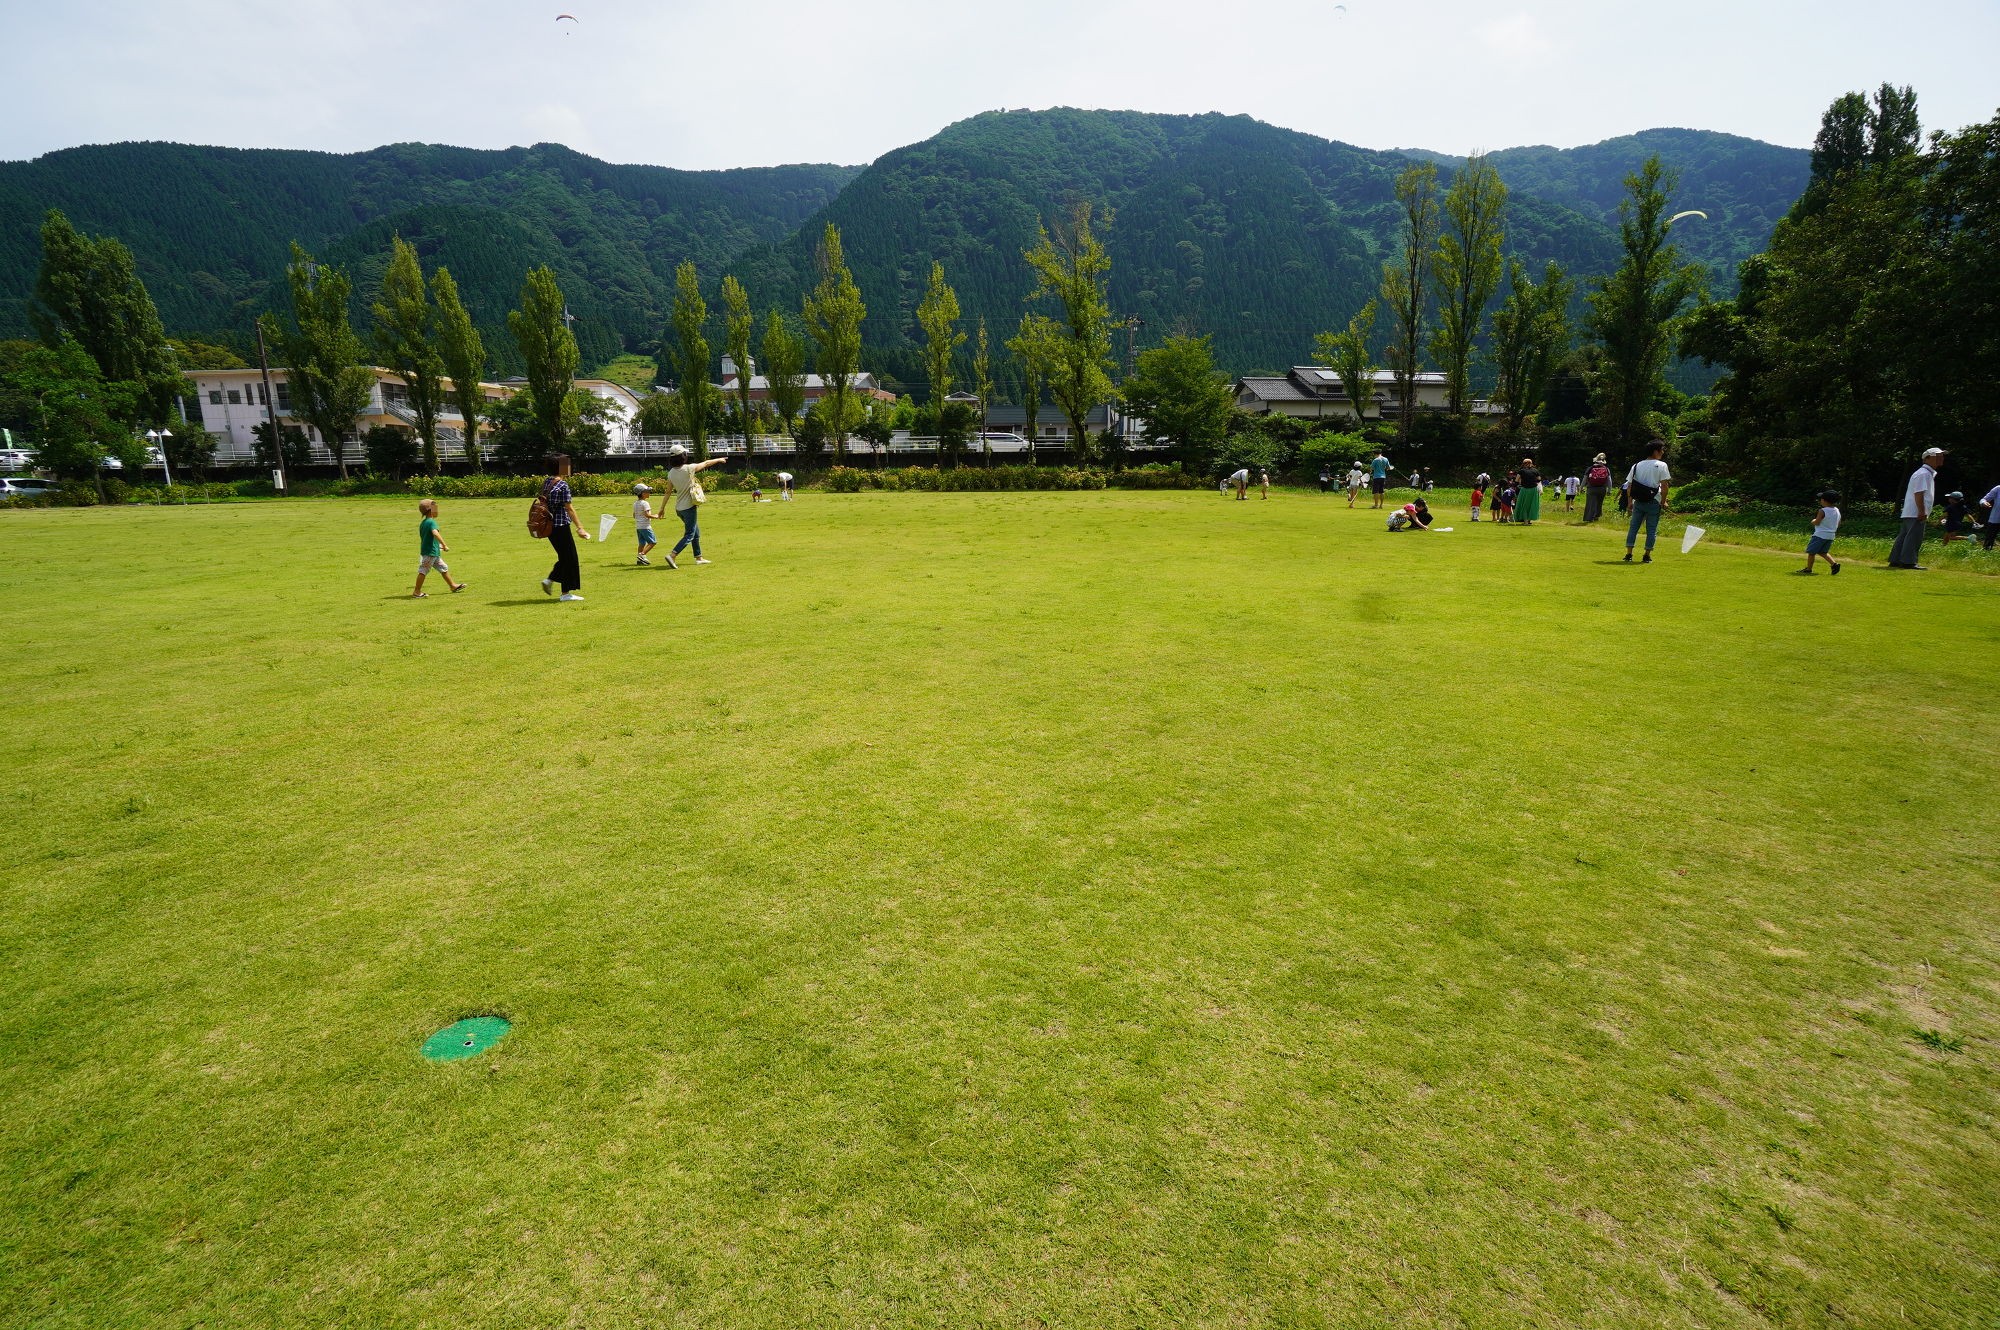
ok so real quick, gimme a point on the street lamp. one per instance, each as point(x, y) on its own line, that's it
point(159, 438)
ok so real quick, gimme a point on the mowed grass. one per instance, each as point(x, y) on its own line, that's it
point(1082, 910)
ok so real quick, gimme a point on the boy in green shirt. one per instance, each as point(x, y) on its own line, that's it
point(430, 550)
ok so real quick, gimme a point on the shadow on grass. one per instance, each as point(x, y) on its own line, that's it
point(1618, 563)
point(530, 600)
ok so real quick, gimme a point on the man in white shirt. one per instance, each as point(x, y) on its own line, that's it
point(1646, 483)
point(785, 485)
point(1918, 498)
point(1239, 481)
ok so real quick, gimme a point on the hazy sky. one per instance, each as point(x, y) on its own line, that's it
point(695, 83)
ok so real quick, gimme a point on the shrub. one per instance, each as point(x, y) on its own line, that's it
point(76, 494)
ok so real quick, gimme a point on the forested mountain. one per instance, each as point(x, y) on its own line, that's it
point(1744, 185)
point(210, 227)
point(1222, 224)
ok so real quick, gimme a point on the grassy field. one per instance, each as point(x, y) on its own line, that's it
point(1082, 910)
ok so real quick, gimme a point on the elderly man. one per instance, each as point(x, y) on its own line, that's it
point(1919, 497)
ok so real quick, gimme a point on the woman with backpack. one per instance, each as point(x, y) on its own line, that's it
point(555, 508)
point(1595, 482)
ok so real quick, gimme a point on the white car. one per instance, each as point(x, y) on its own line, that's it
point(18, 487)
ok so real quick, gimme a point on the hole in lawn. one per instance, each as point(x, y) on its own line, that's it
point(466, 1038)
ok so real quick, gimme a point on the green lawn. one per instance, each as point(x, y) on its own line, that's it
point(1018, 910)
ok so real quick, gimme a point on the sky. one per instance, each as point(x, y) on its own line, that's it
point(698, 84)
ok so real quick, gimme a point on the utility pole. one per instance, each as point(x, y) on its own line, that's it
point(271, 408)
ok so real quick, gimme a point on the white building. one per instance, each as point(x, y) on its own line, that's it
point(1313, 392)
point(232, 405)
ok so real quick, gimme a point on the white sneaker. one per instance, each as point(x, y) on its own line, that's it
point(670, 562)
point(645, 562)
point(570, 595)
point(704, 560)
point(548, 587)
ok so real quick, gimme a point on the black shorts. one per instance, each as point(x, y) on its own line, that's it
point(1377, 484)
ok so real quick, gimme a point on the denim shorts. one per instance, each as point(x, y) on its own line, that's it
point(646, 536)
point(1819, 544)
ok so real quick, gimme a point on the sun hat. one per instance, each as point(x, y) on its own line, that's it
point(678, 450)
point(1597, 459)
point(642, 488)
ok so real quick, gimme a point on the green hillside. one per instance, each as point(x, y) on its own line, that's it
point(210, 226)
point(1259, 235)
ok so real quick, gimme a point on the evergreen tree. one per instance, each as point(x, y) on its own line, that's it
point(464, 353)
point(833, 314)
point(739, 325)
point(1070, 265)
point(1531, 335)
point(1468, 271)
point(541, 332)
point(1406, 285)
point(406, 337)
point(690, 320)
point(329, 384)
point(1347, 354)
point(784, 369)
point(1633, 311)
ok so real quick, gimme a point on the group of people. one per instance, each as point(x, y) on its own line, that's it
point(555, 505)
point(1238, 482)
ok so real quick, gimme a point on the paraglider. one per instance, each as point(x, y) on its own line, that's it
point(1691, 212)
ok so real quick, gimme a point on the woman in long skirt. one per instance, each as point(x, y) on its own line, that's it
point(1528, 506)
point(1593, 488)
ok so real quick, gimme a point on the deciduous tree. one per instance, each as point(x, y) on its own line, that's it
point(406, 335)
point(937, 315)
point(1348, 355)
point(1531, 335)
point(1633, 311)
point(330, 385)
point(1406, 285)
point(464, 355)
point(690, 320)
point(1071, 267)
point(739, 324)
point(1035, 348)
point(784, 369)
point(541, 331)
point(1468, 271)
point(833, 314)
point(1183, 398)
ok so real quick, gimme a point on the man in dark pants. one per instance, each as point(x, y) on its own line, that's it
point(1918, 498)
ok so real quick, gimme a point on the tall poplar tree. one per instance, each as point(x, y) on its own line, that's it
point(1468, 271)
point(690, 320)
point(1070, 265)
point(738, 326)
point(1348, 356)
point(330, 386)
point(406, 327)
point(784, 369)
point(1406, 285)
point(982, 380)
point(833, 313)
point(464, 353)
point(937, 314)
point(549, 349)
point(1531, 335)
point(1633, 311)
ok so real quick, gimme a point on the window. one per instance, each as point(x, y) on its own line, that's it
point(284, 395)
point(235, 398)
point(215, 396)
point(263, 398)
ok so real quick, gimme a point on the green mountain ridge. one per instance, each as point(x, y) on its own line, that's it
point(1259, 235)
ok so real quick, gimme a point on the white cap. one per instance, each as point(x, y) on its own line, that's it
point(1933, 452)
point(642, 489)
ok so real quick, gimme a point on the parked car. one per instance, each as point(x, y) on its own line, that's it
point(17, 487)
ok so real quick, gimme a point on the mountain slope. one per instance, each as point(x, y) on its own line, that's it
point(210, 226)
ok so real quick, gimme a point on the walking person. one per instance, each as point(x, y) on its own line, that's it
point(430, 550)
point(1528, 503)
point(1595, 482)
point(1989, 522)
point(642, 519)
point(564, 527)
point(1919, 497)
point(1378, 477)
point(1826, 525)
point(1356, 478)
point(1571, 484)
point(1646, 487)
point(688, 498)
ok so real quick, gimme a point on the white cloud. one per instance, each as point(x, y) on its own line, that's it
point(1516, 37)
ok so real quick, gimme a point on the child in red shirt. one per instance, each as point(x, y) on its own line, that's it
point(1478, 497)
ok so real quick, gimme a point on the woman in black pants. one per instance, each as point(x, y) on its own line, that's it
point(564, 527)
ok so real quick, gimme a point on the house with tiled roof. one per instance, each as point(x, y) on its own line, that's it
point(1314, 392)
